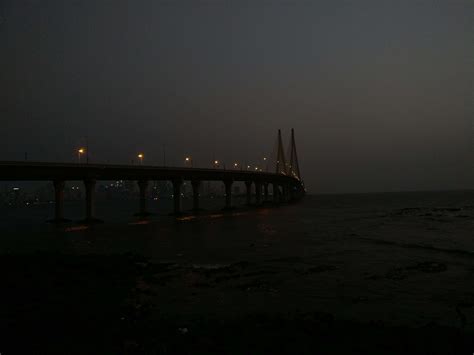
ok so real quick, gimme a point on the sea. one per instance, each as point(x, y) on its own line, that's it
point(402, 259)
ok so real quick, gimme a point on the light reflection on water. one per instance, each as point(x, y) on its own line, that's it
point(76, 228)
point(210, 216)
point(219, 215)
point(186, 218)
point(144, 221)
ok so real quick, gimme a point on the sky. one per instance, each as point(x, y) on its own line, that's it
point(380, 93)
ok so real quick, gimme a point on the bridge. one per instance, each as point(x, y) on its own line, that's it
point(285, 180)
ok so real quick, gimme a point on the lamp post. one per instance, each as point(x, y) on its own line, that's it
point(140, 157)
point(80, 151)
point(188, 160)
point(164, 155)
point(216, 164)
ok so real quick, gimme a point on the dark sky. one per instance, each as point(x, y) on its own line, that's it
point(380, 93)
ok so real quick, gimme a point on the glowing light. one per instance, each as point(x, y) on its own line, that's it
point(139, 222)
point(140, 156)
point(187, 218)
point(75, 229)
point(187, 158)
point(80, 151)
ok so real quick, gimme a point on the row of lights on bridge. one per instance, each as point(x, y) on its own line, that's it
point(187, 160)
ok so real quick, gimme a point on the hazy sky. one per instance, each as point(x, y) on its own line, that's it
point(380, 93)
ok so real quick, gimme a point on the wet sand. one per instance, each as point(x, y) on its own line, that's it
point(389, 273)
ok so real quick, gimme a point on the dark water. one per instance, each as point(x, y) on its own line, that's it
point(396, 259)
point(427, 214)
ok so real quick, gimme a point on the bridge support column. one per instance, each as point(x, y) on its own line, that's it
point(58, 202)
point(196, 184)
point(90, 194)
point(143, 187)
point(265, 191)
point(248, 185)
point(276, 193)
point(285, 193)
point(177, 184)
point(290, 192)
point(228, 194)
point(258, 193)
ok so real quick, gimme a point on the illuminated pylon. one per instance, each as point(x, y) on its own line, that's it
point(281, 161)
point(293, 168)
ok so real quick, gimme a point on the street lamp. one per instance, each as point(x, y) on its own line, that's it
point(80, 151)
point(236, 165)
point(140, 157)
point(216, 163)
point(188, 160)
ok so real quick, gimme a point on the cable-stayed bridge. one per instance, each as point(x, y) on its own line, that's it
point(285, 180)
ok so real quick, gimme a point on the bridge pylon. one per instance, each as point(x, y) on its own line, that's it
point(281, 161)
point(294, 167)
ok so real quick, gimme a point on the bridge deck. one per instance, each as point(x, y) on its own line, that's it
point(40, 171)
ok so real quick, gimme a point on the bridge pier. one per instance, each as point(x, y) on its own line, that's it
point(248, 185)
point(90, 203)
point(196, 184)
point(143, 187)
point(228, 194)
point(276, 193)
point(285, 193)
point(58, 201)
point(177, 184)
point(291, 194)
point(258, 193)
point(265, 191)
